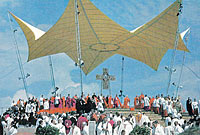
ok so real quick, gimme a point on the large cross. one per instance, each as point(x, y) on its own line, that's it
point(105, 78)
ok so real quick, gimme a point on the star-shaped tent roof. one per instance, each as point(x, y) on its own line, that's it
point(101, 37)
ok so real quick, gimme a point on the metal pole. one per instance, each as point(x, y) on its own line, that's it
point(52, 73)
point(122, 78)
point(18, 57)
point(184, 56)
point(78, 42)
point(173, 53)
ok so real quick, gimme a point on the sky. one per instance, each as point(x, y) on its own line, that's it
point(138, 77)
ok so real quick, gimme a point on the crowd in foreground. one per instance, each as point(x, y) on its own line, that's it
point(81, 115)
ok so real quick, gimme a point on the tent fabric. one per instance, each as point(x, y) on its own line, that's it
point(101, 38)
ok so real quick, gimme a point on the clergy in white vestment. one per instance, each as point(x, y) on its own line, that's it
point(119, 127)
point(167, 120)
point(157, 129)
point(85, 129)
point(144, 118)
point(169, 130)
point(46, 104)
point(104, 127)
point(61, 127)
point(127, 126)
point(177, 128)
point(146, 103)
point(195, 107)
point(74, 130)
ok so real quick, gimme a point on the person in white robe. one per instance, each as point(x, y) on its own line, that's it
point(118, 129)
point(177, 129)
point(28, 108)
point(46, 104)
point(61, 127)
point(41, 102)
point(169, 130)
point(146, 103)
point(104, 128)
point(157, 129)
point(127, 127)
point(167, 120)
point(195, 107)
point(144, 118)
point(74, 130)
point(85, 129)
point(100, 107)
point(169, 108)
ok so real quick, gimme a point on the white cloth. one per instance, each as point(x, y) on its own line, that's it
point(178, 130)
point(102, 126)
point(168, 119)
point(169, 109)
point(144, 118)
point(12, 131)
point(41, 101)
point(85, 130)
point(75, 131)
point(127, 127)
point(100, 107)
point(46, 104)
point(118, 129)
point(28, 108)
point(61, 128)
point(158, 130)
point(195, 105)
point(146, 101)
point(169, 130)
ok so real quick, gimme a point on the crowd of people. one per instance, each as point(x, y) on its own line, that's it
point(81, 115)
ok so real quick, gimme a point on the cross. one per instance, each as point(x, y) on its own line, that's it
point(105, 78)
point(55, 91)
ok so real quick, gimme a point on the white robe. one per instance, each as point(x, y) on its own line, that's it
point(127, 127)
point(168, 119)
point(158, 130)
point(85, 130)
point(118, 129)
point(104, 126)
point(169, 130)
point(46, 105)
point(178, 130)
point(76, 131)
point(146, 101)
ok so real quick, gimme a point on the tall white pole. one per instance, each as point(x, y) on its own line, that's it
point(174, 50)
point(78, 43)
point(184, 56)
point(52, 74)
point(18, 57)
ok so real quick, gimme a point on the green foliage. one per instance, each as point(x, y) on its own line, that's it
point(192, 131)
point(48, 130)
point(140, 131)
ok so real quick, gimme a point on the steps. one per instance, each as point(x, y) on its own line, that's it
point(150, 114)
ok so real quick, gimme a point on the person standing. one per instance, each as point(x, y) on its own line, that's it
point(195, 107)
point(146, 103)
point(157, 129)
point(189, 106)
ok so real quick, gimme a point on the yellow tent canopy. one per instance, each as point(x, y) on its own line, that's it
point(101, 37)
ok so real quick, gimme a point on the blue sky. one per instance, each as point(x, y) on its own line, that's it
point(138, 77)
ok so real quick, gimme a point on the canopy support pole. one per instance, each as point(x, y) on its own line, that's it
point(175, 48)
point(184, 56)
point(78, 43)
point(52, 74)
point(122, 78)
point(18, 57)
